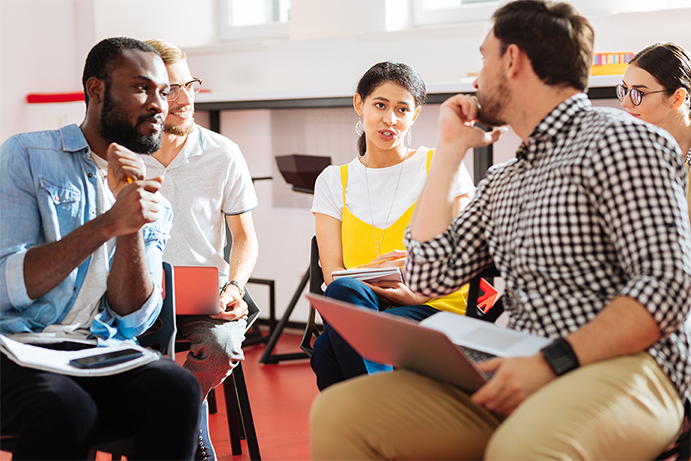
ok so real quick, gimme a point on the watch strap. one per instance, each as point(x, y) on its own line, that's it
point(240, 287)
point(560, 356)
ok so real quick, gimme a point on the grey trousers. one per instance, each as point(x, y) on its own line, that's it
point(216, 347)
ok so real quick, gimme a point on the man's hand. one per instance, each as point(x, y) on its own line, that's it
point(513, 381)
point(232, 306)
point(124, 167)
point(457, 118)
point(136, 205)
point(397, 293)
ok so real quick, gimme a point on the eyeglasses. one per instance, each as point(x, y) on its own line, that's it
point(192, 87)
point(636, 95)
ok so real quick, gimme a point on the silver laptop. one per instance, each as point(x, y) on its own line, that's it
point(425, 349)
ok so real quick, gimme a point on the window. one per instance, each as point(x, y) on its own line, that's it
point(430, 12)
point(254, 19)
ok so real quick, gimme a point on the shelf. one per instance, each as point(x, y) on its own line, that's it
point(600, 87)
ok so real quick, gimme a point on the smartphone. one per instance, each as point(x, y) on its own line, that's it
point(107, 359)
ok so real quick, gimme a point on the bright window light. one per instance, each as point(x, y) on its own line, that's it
point(434, 5)
point(254, 19)
point(256, 12)
point(432, 12)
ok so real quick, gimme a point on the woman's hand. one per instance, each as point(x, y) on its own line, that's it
point(395, 258)
point(397, 293)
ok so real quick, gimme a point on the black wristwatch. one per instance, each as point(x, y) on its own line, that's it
point(560, 356)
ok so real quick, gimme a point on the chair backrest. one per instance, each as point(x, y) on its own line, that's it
point(316, 282)
point(316, 274)
point(161, 336)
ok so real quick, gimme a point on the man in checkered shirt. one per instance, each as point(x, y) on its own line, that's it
point(590, 231)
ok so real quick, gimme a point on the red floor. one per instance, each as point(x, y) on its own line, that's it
point(280, 395)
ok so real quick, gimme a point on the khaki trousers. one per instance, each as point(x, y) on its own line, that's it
point(624, 408)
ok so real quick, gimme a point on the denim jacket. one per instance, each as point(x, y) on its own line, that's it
point(48, 189)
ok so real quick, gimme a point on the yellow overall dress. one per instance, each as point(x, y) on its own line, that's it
point(359, 246)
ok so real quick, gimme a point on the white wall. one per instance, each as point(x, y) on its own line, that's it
point(43, 44)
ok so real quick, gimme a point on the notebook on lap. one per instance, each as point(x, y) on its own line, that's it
point(425, 349)
point(196, 290)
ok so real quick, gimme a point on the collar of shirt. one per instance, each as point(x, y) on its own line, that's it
point(558, 120)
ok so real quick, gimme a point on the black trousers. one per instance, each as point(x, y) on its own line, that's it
point(56, 416)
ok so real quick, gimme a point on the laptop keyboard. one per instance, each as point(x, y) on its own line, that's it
point(475, 355)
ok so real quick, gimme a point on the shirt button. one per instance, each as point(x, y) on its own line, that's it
point(57, 198)
point(90, 175)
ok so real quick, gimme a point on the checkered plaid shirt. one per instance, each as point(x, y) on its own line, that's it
point(592, 208)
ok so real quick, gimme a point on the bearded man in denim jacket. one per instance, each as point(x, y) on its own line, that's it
point(82, 233)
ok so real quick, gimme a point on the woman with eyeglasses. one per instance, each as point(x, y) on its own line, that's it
point(657, 89)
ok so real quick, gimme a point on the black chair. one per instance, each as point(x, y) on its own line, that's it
point(316, 280)
point(238, 408)
point(476, 308)
point(160, 337)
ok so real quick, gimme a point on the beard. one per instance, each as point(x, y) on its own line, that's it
point(115, 127)
point(180, 130)
point(491, 105)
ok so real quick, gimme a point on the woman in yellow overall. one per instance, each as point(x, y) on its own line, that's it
point(657, 89)
point(362, 209)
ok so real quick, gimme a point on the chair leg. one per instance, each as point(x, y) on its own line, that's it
point(246, 411)
point(232, 413)
point(211, 399)
point(239, 412)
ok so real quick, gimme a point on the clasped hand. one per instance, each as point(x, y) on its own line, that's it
point(457, 118)
point(232, 306)
point(136, 203)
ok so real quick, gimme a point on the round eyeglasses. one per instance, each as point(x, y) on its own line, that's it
point(192, 87)
point(636, 95)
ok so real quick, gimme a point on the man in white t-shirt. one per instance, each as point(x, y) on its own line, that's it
point(208, 184)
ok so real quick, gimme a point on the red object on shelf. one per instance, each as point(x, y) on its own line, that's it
point(38, 98)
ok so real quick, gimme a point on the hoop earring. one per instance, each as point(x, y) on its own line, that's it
point(359, 127)
point(409, 137)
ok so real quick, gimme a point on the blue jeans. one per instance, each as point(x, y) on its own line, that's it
point(333, 360)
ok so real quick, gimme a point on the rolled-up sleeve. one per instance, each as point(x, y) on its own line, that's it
point(110, 325)
point(640, 189)
point(451, 259)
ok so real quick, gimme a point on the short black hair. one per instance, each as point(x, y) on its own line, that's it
point(103, 56)
point(557, 40)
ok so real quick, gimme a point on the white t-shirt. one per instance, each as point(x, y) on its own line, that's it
point(207, 180)
point(379, 189)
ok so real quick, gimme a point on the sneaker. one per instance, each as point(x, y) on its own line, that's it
point(205, 450)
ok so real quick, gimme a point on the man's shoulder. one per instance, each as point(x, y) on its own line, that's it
point(215, 141)
point(68, 138)
point(604, 118)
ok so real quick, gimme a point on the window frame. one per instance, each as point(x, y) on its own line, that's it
point(471, 12)
point(230, 33)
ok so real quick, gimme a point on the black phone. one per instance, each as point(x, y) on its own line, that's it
point(107, 359)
